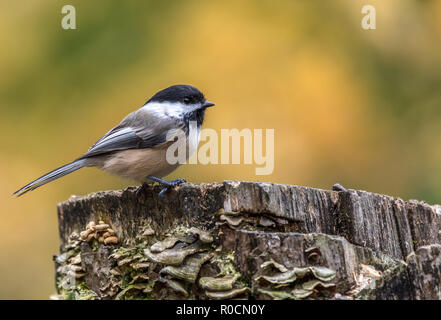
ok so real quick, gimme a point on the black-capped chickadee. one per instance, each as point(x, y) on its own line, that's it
point(136, 148)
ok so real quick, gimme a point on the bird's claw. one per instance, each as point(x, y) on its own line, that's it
point(161, 193)
point(171, 184)
point(140, 189)
point(167, 184)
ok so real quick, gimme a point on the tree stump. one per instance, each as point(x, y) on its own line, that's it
point(240, 239)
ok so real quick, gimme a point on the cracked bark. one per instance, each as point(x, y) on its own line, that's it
point(250, 239)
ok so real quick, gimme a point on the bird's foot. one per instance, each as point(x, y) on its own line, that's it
point(167, 184)
point(170, 185)
point(141, 189)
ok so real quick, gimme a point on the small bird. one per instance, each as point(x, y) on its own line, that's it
point(136, 148)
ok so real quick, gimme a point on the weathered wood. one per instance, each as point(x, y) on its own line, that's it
point(242, 239)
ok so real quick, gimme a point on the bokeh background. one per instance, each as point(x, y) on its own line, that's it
point(362, 108)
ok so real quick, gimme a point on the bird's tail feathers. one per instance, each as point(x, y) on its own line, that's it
point(53, 175)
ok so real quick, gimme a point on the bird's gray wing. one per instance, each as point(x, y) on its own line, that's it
point(138, 130)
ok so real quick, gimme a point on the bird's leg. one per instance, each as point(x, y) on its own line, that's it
point(167, 184)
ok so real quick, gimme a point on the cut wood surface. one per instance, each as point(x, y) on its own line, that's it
point(239, 239)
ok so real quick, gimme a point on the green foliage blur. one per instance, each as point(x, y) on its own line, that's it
point(362, 108)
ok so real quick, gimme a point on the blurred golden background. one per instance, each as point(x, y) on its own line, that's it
point(362, 108)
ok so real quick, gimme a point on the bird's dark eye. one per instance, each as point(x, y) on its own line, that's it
point(187, 100)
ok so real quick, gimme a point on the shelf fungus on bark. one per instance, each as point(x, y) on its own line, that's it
point(202, 235)
point(274, 264)
point(101, 232)
point(266, 222)
point(233, 220)
point(189, 270)
point(218, 284)
point(164, 244)
point(313, 253)
point(323, 273)
point(295, 283)
point(171, 256)
point(230, 294)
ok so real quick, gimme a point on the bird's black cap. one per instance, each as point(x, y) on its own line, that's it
point(179, 93)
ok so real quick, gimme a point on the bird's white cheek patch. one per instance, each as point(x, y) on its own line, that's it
point(165, 109)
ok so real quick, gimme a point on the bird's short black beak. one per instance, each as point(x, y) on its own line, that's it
point(207, 104)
